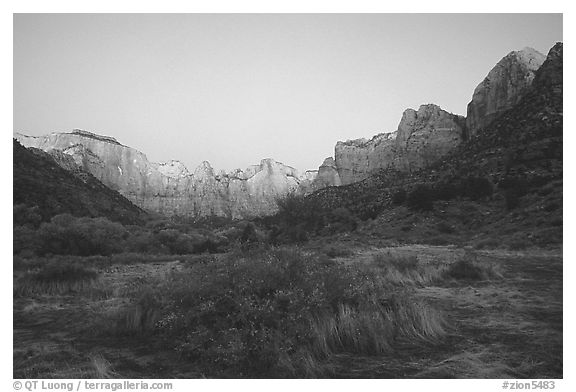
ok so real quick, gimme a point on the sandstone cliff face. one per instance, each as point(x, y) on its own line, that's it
point(425, 136)
point(327, 175)
point(169, 188)
point(422, 137)
point(356, 159)
point(502, 88)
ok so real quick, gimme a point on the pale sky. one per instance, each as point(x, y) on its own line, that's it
point(233, 89)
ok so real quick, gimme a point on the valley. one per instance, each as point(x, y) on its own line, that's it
point(432, 251)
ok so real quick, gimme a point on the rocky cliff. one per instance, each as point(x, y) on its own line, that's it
point(422, 137)
point(518, 157)
point(425, 136)
point(502, 88)
point(327, 175)
point(169, 188)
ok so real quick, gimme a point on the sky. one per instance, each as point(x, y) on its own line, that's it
point(233, 89)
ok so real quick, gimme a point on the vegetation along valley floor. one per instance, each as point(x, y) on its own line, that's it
point(408, 311)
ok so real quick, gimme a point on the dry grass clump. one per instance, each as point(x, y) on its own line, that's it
point(471, 364)
point(376, 328)
point(56, 279)
point(275, 312)
point(140, 317)
point(101, 368)
point(399, 270)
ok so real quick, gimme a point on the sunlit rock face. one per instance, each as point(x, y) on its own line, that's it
point(327, 175)
point(169, 188)
point(502, 88)
point(422, 137)
point(357, 159)
point(425, 136)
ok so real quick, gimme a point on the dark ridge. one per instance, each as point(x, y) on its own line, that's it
point(40, 181)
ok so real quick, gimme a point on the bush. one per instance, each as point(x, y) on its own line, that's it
point(490, 243)
point(469, 268)
point(421, 198)
point(477, 188)
point(143, 241)
point(261, 312)
point(337, 250)
point(514, 189)
point(298, 216)
point(445, 191)
point(248, 238)
point(68, 235)
point(445, 228)
point(340, 220)
point(24, 241)
point(399, 197)
point(294, 208)
point(26, 216)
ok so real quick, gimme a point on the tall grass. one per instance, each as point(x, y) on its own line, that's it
point(375, 329)
point(270, 312)
point(400, 270)
point(101, 368)
point(56, 279)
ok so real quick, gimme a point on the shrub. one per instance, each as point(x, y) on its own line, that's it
point(206, 246)
point(248, 238)
point(142, 241)
point(341, 220)
point(399, 197)
point(25, 215)
point(294, 208)
point(512, 197)
point(445, 228)
point(337, 250)
point(446, 191)
point(262, 312)
point(24, 241)
point(175, 241)
point(469, 268)
point(490, 243)
point(68, 235)
point(298, 216)
point(514, 188)
point(477, 188)
point(552, 206)
point(421, 198)
point(438, 241)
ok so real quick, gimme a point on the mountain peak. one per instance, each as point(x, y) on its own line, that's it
point(502, 88)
